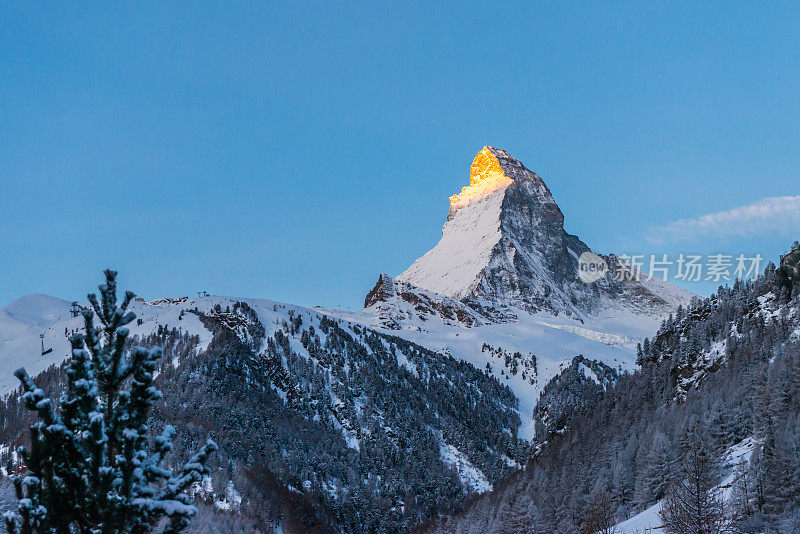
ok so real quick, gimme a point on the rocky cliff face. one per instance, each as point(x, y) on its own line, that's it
point(788, 273)
point(504, 242)
point(397, 302)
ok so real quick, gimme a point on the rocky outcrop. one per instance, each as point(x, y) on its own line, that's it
point(397, 301)
point(788, 273)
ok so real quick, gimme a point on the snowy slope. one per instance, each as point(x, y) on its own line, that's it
point(469, 236)
point(25, 319)
point(648, 521)
point(21, 324)
point(673, 295)
point(554, 340)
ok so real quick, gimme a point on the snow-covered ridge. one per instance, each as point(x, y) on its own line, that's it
point(398, 304)
point(35, 331)
point(673, 295)
point(437, 327)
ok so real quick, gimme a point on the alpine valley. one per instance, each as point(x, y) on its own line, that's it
point(484, 389)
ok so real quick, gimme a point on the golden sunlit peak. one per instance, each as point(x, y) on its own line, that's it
point(483, 166)
point(485, 177)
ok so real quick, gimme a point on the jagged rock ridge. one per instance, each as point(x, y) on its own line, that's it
point(395, 301)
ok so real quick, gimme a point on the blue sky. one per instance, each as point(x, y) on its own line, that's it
point(296, 150)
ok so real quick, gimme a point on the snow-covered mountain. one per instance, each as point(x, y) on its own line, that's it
point(503, 281)
point(328, 399)
point(477, 327)
point(504, 241)
point(500, 291)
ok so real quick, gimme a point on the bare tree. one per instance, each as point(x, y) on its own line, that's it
point(694, 504)
point(599, 517)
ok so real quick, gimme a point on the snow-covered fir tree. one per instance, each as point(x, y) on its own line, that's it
point(91, 467)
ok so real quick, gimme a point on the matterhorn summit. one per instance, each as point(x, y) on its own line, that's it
point(504, 242)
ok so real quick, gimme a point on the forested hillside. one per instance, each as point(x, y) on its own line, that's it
point(322, 426)
point(326, 425)
point(726, 369)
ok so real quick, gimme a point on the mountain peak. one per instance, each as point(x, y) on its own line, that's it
point(35, 309)
point(494, 225)
point(493, 170)
point(486, 176)
point(504, 241)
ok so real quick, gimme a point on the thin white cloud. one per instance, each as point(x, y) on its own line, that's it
point(776, 215)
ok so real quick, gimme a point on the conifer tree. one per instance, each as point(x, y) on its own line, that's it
point(90, 465)
point(659, 471)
